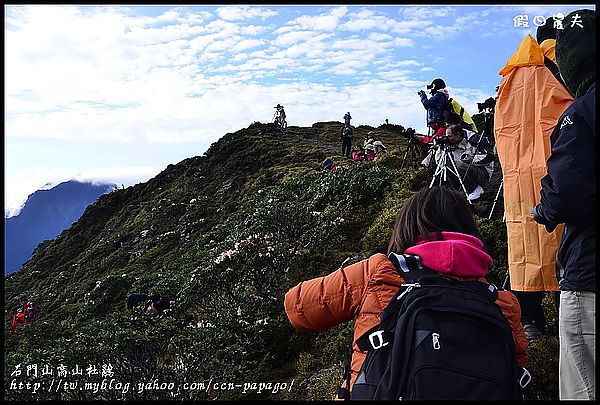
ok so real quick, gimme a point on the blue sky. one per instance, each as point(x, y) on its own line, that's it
point(116, 93)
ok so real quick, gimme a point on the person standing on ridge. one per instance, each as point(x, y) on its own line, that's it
point(436, 105)
point(280, 116)
point(347, 119)
point(346, 137)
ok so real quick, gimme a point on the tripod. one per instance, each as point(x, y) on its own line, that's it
point(496, 200)
point(442, 169)
point(488, 120)
point(412, 151)
point(471, 162)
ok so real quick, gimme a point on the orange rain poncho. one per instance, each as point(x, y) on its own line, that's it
point(530, 101)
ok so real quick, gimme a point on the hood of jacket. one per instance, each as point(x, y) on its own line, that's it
point(457, 254)
point(548, 46)
point(529, 53)
point(444, 92)
point(576, 51)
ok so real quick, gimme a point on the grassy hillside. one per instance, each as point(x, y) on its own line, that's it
point(225, 235)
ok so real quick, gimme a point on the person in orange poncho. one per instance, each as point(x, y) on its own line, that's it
point(531, 98)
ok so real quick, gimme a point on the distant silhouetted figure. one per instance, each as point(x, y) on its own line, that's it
point(346, 137)
point(347, 118)
point(280, 116)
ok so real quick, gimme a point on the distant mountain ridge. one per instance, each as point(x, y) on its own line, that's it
point(45, 214)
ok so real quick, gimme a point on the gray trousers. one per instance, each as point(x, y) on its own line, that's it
point(577, 334)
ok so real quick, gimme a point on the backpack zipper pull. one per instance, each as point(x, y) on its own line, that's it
point(436, 341)
point(410, 287)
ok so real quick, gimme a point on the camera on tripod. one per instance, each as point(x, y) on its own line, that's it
point(442, 140)
point(490, 103)
point(409, 133)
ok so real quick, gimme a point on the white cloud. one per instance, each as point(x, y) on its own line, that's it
point(323, 22)
point(408, 62)
point(428, 12)
point(348, 67)
point(196, 18)
point(247, 44)
point(170, 15)
point(360, 24)
point(21, 185)
point(408, 26)
point(376, 36)
point(293, 37)
point(232, 13)
point(126, 175)
point(227, 43)
point(403, 42)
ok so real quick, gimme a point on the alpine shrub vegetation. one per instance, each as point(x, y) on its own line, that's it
point(224, 235)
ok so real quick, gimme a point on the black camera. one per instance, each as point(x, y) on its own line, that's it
point(441, 140)
point(490, 103)
point(409, 133)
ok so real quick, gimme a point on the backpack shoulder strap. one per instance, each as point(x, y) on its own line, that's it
point(409, 267)
point(489, 290)
point(411, 270)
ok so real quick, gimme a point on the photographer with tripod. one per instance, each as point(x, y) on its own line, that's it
point(435, 105)
point(279, 117)
point(469, 159)
point(424, 142)
point(414, 151)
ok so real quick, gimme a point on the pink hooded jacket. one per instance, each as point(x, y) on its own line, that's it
point(362, 290)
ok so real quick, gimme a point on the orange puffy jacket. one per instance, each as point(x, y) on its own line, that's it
point(363, 290)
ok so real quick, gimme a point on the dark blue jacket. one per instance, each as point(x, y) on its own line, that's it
point(569, 193)
point(435, 105)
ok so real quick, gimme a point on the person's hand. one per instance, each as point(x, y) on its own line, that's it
point(421, 92)
point(538, 216)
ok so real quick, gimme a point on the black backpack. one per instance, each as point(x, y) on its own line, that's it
point(439, 339)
